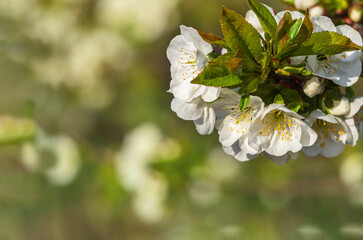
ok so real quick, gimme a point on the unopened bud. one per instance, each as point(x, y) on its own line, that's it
point(304, 4)
point(313, 87)
point(340, 108)
point(316, 11)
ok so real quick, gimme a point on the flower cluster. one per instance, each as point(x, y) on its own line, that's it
point(274, 85)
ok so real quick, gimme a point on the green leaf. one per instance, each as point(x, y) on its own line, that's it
point(290, 95)
point(298, 69)
point(265, 65)
point(249, 85)
point(266, 92)
point(326, 43)
point(220, 72)
point(294, 30)
point(244, 102)
point(265, 17)
point(213, 39)
point(293, 41)
point(295, 106)
point(240, 34)
point(349, 92)
point(278, 99)
point(15, 130)
point(282, 27)
point(306, 29)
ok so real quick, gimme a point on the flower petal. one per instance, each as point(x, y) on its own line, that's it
point(205, 124)
point(191, 35)
point(187, 110)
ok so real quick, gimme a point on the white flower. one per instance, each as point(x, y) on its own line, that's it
point(343, 69)
point(353, 120)
point(332, 134)
point(57, 157)
point(233, 124)
point(187, 54)
point(139, 148)
point(341, 107)
point(280, 131)
point(237, 153)
point(252, 18)
point(198, 111)
point(142, 147)
point(316, 11)
point(149, 200)
point(313, 87)
point(304, 4)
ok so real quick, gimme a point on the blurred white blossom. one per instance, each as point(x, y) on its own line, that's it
point(351, 174)
point(56, 157)
point(144, 20)
point(141, 148)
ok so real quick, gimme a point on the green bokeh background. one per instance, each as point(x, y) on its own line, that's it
point(309, 198)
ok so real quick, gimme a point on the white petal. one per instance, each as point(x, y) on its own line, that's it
point(351, 33)
point(191, 35)
point(353, 133)
point(231, 130)
point(294, 15)
point(323, 23)
point(348, 73)
point(238, 154)
point(173, 51)
point(318, 114)
point(185, 91)
point(308, 135)
point(297, 60)
point(332, 148)
point(211, 94)
point(355, 106)
point(187, 110)
point(282, 160)
point(205, 124)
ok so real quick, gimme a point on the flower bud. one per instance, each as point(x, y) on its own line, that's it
point(316, 11)
point(313, 87)
point(341, 107)
point(304, 4)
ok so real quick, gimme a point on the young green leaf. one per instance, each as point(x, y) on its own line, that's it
point(294, 30)
point(244, 102)
point(213, 39)
point(282, 26)
point(220, 72)
point(265, 17)
point(290, 95)
point(292, 41)
point(278, 99)
point(295, 106)
point(249, 85)
point(240, 34)
point(326, 43)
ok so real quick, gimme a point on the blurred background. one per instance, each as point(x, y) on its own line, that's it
point(110, 160)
